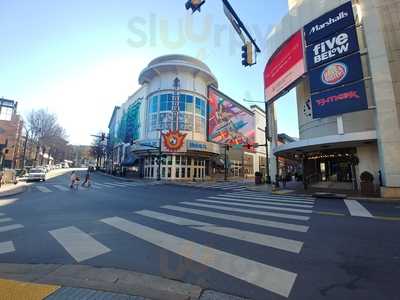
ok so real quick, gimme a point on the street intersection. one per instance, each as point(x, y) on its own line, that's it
point(226, 238)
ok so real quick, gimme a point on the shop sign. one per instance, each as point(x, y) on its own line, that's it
point(332, 47)
point(202, 146)
point(284, 67)
point(174, 141)
point(333, 21)
point(339, 72)
point(340, 100)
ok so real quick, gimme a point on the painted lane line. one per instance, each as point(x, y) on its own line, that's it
point(4, 220)
point(267, 277)
point(43, 189)
point(267, 207)
point(234, 195)
point(295, 203)
point(61, 187)
point(228, 198)
point(10, 227)
point(249, 211)
point(81, 246)
point(274, 196)
point(235, 218)
point(233, 233)
point(356, 209)
point(7, 247)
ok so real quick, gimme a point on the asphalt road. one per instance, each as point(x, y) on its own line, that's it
point(230, 240)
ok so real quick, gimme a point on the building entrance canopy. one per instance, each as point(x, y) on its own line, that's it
point(296, 149)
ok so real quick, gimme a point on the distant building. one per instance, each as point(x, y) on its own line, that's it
point(10, 134)
point(179, 97)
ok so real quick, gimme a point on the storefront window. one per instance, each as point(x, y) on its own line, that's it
point(177, 160)
point(183, 172)
point(169, 160)
point(169, 172)
point(177, 172)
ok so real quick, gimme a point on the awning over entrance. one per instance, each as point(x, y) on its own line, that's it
point(130, 161)
point(354, 139)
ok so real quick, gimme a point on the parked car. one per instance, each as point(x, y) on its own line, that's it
point(36, 174)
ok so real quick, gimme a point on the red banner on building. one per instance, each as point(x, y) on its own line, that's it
point(284, 67)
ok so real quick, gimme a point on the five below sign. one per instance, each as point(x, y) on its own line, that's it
point(335, 46)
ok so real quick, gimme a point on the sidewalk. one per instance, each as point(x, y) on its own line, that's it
point(13, 189)
point(64, 282)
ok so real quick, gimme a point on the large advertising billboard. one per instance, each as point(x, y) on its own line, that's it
point(338, 101)
point(284, 67)
point(332, 47)
point(229, 122)
point(339, 72)
point(334, 20)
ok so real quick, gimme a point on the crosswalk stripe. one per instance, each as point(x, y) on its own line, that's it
point(1, 214)
point(10, 227)
point(80, 245)
point(5, 220)
point(243, 235)
point(258, 195)
point(228, 198)
point(43, 189)
point(7, 247)
point(235, 218)
point(305, 211)
point(267, 198)
point(250, 211)
point(61, 188)
point(356, 209)
point(101, 185)
point(267, 277)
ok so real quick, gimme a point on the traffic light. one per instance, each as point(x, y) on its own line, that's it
point(249, 147)
point(103, 137)
point(247, 54)
point(227, 147)
point(194, 5)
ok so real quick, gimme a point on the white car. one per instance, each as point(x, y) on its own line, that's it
point(36, 174)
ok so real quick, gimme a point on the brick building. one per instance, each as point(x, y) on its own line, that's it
point(10, 134)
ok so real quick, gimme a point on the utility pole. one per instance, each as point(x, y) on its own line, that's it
point(226, 147)
point(267, 138)
point(159, 157)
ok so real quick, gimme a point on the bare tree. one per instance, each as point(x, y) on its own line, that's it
point(45, 133)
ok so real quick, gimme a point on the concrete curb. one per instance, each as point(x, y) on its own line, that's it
point(109, 280)
point(18, 190)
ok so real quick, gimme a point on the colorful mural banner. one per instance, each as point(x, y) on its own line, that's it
point(229, 123)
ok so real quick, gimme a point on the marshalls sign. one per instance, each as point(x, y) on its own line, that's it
point(334, 20)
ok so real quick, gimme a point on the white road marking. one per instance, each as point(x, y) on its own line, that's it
point(304, 211)
point(249, 211)
point(43, 189)
point(273, 224)
point(267, 277)
point(233, 233)
point(356, 209)
point(80, 245)
point(5, 220)
point(10, 227)
point(229, 198)
point(269, 196)
point(61, 187)
point(7, 247)
point(1, 214)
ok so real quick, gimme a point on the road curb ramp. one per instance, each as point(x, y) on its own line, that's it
point(53, 276)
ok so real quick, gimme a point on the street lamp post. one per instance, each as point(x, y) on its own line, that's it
point(159, 157)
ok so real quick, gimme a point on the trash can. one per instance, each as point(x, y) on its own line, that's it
point(258, 177)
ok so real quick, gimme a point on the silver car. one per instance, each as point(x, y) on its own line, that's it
point(36, 174)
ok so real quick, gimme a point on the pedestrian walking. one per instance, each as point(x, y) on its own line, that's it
point(87, 179)
point(74, 179)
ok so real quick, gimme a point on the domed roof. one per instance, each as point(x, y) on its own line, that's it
point(175, 61)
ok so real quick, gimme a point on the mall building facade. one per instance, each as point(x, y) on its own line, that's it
point(171, 108)
point(335, 148)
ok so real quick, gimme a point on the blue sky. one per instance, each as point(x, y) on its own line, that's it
point(79, 59)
